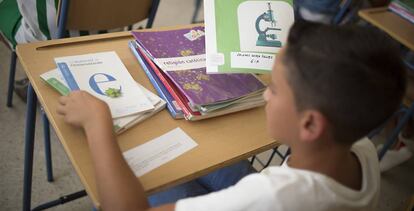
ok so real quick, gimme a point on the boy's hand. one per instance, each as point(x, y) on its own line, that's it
point(81, 109)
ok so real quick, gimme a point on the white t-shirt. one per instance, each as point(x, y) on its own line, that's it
point(35, 18)
point(285, 188)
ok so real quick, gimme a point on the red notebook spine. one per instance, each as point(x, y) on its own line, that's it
point(170, 87)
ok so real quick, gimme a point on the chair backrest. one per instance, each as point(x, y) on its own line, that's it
point(105, 14)
point(347, 11)
point(344, 7)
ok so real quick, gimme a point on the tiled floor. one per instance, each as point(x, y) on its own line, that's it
point(396, 184)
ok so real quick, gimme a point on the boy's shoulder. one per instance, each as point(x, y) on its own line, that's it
point(314, 188)
point(366, 147)
point(282, 188)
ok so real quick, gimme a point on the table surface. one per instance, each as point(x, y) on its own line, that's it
point(221, 140)
point(399, 28)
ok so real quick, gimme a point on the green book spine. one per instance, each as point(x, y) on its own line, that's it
point(64, 90)
point(61, 88)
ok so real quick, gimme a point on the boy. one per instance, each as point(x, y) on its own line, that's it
point(330, 87)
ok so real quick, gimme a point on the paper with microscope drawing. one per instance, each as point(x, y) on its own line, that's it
point(146, 157)
point(243, 36)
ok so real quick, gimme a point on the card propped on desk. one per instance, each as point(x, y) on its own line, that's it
point(104, 76)
point(243, 36)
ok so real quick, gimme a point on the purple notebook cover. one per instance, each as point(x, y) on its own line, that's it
point(200, 88)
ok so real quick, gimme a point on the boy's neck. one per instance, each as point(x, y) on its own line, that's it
point(335, 161)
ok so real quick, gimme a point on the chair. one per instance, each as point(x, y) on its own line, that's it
point(269, 160)
point(196, 10)
point(343, 11)
point(12, 70)
point(10, 10)
point(406, 111)
point(85, 15)
point(76, 15)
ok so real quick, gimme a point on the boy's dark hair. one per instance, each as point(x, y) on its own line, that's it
point(353, 75)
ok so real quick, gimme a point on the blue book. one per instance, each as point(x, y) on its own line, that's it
point(67, 75)
point(159, 87)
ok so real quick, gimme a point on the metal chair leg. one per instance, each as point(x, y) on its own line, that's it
point(11, 79)
point(271, 157)
point(276, 151)
point(29, 146)
point(48, 152)
point(153, 12)
point(196, 10)
point(341, 13)
point(64, 7)
point(376, 131)
point(252, 160)
point(61, 200)
point(391, 139)
point(286, 155)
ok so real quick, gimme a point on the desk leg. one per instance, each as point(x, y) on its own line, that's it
point(48, 152)
point(29, 146)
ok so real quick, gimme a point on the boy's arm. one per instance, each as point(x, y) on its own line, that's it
point(118, 188)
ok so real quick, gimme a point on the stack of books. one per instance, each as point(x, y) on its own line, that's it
point(174, 61)
point(104, 76)
point(403, 8)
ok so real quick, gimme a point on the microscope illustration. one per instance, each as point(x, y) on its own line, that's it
point(267, 37)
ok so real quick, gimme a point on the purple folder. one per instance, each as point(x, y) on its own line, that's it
point(200, 88)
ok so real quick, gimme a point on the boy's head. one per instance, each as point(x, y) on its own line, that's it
point(333, 82)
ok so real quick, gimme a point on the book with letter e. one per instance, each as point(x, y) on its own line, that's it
point(104, 76)
point(243, 36)
point(55, 79)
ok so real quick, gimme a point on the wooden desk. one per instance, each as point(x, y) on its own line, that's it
point(400, 29)
point(221, 141)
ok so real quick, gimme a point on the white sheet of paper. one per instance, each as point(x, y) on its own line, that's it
point(146, 157)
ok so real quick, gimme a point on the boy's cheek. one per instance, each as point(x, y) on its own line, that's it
point(272, 127)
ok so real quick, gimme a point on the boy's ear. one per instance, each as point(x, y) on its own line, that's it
point(313, 125)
